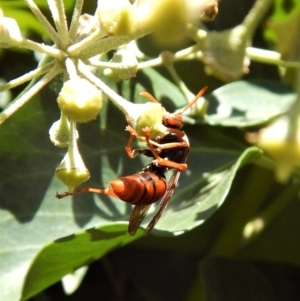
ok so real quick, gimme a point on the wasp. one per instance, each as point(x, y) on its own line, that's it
point(150, 185)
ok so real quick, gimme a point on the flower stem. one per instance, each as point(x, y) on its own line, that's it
point(26, 77)
point(58, 14)
point(110, 43)
point(124, 105)
point(168, 60)
point(255, 15)
point(78, 47)
point(18, 103)
point(75, 19)
point(269, 57)
point(48, 27)
point(71, 69)
point(187, 53)
point(53, 52)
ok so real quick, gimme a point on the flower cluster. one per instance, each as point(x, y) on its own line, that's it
point(82, 47)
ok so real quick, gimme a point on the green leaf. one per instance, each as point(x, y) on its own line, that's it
point(199, 196)
point(248, 103)
point(65, 255)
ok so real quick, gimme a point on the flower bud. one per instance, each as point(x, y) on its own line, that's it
point(277, 141)
point(128, 64)
point(72, 171)
point(60, 131)
point(148, 115)
point(168, 18)
point(116, 17)
point(9, 30)
point(79, 100)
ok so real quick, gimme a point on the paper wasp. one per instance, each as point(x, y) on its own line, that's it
point(150, 185)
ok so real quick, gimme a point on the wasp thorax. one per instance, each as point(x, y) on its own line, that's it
point(79, 100)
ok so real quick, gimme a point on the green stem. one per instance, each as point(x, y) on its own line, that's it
point(18, 103)
point(75, 49)
point(58, 14)
point(27, 77)
point(269, 57)
point(71, 69)
point(109, 43)
point(49, 50)
point(255, 15)
point(124, 105)
point(48, 27)
point(168, 59)
point(189, 53)
point(75, 19)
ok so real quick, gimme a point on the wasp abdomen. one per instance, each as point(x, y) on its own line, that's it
point(143, 188)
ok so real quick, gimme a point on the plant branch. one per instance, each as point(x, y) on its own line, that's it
point(58, 14)
point(255, 15)
point(75, 19)
point(187, 53)
point(110, 43)
point(124, 105)
point(27, 77)
point(31, 45)
point(75, 49)
point(48, 27)
point(168, 61)
point(49, 50)
point(18, 103)
point(269, 57)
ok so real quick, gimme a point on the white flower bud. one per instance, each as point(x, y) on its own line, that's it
point(9, 30)
point(128, 64)
point(79, 100)
point(72, 171)
point(149, 114)
point(116, 17)
point(276, 141)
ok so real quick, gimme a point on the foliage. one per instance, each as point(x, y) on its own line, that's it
point(229, 230)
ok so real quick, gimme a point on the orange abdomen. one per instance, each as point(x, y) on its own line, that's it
point(143, 188)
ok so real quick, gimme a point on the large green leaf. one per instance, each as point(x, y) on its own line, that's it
point(65, 255)
point(198, 197)
point(248, 103)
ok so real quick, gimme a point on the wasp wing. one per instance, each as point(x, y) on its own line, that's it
point(136, 217)
point(164, 201)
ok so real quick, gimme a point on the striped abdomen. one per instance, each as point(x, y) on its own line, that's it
point(143, 188)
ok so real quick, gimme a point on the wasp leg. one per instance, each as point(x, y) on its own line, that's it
point(107, 191)
point(161, 161)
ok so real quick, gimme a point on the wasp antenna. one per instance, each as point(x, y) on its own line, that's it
point(149, 96)
point(200, 93)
